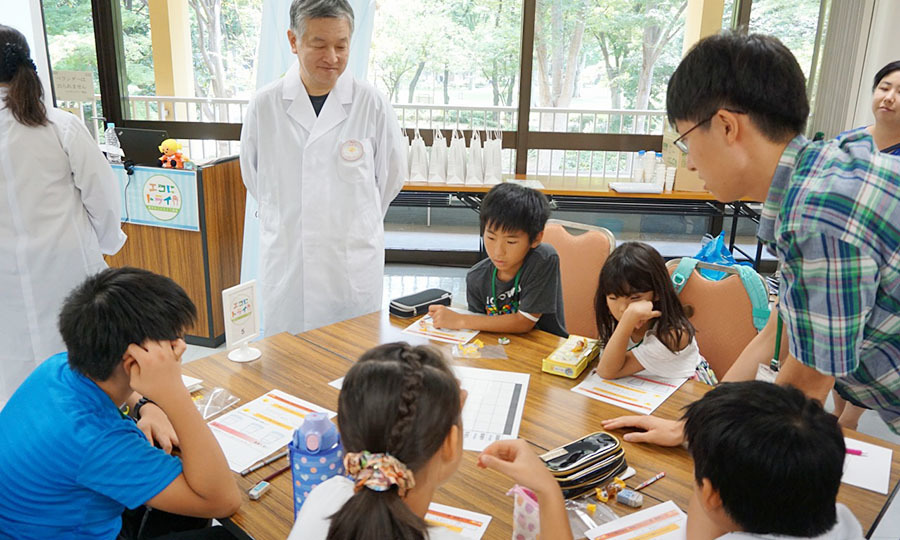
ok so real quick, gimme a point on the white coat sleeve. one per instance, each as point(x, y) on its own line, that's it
point(96, 182)
point(391, 168)
point(250, 149)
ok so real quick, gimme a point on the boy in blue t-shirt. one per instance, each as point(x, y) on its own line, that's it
point(518, 286)
point(70, 461)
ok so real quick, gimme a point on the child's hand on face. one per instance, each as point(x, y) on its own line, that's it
point(156, 371)
point(516, 460)
point(444, 317)
point(640, 312)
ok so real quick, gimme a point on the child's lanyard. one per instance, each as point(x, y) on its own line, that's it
point(513, 302)
point(775, 364)
point(769, 372)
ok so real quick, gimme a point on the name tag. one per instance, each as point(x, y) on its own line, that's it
point(351, 150)
point(765, 373)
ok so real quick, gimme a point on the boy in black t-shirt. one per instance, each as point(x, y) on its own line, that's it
point(518, 286)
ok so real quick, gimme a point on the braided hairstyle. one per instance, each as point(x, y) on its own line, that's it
point(400, 400)
point(25, 97)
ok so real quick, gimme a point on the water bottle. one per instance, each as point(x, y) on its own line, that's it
point(637, 168)
point(316, 455)
point(649, 165)
point(660, 170)
point(112, 141)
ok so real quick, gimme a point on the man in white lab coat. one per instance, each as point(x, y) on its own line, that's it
point(322, 154)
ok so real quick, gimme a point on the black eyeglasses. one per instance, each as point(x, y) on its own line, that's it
point(680, 142)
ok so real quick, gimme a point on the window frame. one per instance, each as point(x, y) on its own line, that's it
point(110, 60)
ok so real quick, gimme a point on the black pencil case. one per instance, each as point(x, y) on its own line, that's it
point(417, 304)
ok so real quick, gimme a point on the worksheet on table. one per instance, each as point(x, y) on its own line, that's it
point(494, 406)
point(641, 392)
point(261, 427)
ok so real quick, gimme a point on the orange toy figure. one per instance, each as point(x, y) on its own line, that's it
point(172, 157)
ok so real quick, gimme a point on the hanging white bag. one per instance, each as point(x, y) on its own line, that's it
point(493, 158)
point(456, 159)
point(437, 165)
point(404, 147)
point(475, 163)
point(418, 160)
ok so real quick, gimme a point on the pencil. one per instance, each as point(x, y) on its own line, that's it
point(262, 464)
point(650, 481)
point(276, 473)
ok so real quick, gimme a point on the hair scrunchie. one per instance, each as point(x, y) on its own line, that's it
point(13, 57)
point(378, 472)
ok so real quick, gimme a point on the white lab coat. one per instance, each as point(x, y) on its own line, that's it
point(321, 215)
point(59, 212)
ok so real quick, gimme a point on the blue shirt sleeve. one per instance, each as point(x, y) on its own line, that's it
point(121, 464)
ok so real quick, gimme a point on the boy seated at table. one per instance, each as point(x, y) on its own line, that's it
point(518, 286)
point(767, 463)
point(70, 460)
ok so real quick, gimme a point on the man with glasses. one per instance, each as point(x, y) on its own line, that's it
point(831, 215)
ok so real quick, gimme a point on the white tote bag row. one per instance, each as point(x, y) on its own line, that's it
point(480, 164)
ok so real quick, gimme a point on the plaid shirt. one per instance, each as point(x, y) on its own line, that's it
point(832, 217)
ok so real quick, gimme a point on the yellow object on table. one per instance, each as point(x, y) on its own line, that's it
point(570, 358)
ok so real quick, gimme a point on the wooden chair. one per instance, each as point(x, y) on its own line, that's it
point(723, 314)
point(581, 257)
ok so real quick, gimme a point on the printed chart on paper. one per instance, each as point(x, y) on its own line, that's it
point(257, 429)
point(465, 524)
point(494, 406)
point(641, 393)
point(661, 522)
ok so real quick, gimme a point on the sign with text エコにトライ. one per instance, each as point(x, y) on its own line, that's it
point(159, 197)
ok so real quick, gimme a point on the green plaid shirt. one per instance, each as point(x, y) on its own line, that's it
point(832, 217)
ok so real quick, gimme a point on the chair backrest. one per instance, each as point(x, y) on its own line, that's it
point(723, 314)
point(580, 259)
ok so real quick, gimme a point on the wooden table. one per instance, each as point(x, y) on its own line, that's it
point(554, 415)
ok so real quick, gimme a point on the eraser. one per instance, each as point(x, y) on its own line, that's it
point(257, 491)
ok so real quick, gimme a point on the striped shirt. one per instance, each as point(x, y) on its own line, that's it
point(832, 217)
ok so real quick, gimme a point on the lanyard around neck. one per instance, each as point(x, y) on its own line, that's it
point(513, 303)
point(774, 364)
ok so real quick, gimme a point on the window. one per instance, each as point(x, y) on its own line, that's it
point(70, 39)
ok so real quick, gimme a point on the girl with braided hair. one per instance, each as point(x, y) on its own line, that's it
point(59, 213)
point(399, 415)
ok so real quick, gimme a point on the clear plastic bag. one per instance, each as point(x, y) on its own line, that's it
point(581, 519)
point(214, 401)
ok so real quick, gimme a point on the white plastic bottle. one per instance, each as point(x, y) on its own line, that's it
point(637, 168)
point(112, 141)
point(659, 177)
point(649, 165)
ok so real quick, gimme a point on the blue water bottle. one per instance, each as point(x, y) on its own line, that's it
point(316, 455)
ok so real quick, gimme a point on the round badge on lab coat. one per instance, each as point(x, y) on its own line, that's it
point(351, 150)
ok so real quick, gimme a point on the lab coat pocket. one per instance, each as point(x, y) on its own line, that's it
point(356, 159)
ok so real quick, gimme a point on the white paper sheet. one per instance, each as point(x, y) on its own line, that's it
point(493, 409)
point(257, 429)
point(424, 327)
point(191, 383)
point(872, 470)
point(464, 523)
point(641, 392)
point(664, 521)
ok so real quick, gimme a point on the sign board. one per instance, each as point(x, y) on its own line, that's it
point(73, 85)
point(159, 197)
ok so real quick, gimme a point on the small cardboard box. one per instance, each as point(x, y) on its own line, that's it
point(570, 358)
point(685, 179)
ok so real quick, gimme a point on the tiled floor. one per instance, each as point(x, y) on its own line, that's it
point(400, 280)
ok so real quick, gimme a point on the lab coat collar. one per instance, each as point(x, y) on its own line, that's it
point(301, 110)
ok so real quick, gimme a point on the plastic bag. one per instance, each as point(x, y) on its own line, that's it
point(493, 157)
point(214, 402)
point(456, 159)
point(437, 165)
point(475, 163)
point(418, 160)
point(713, 250)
